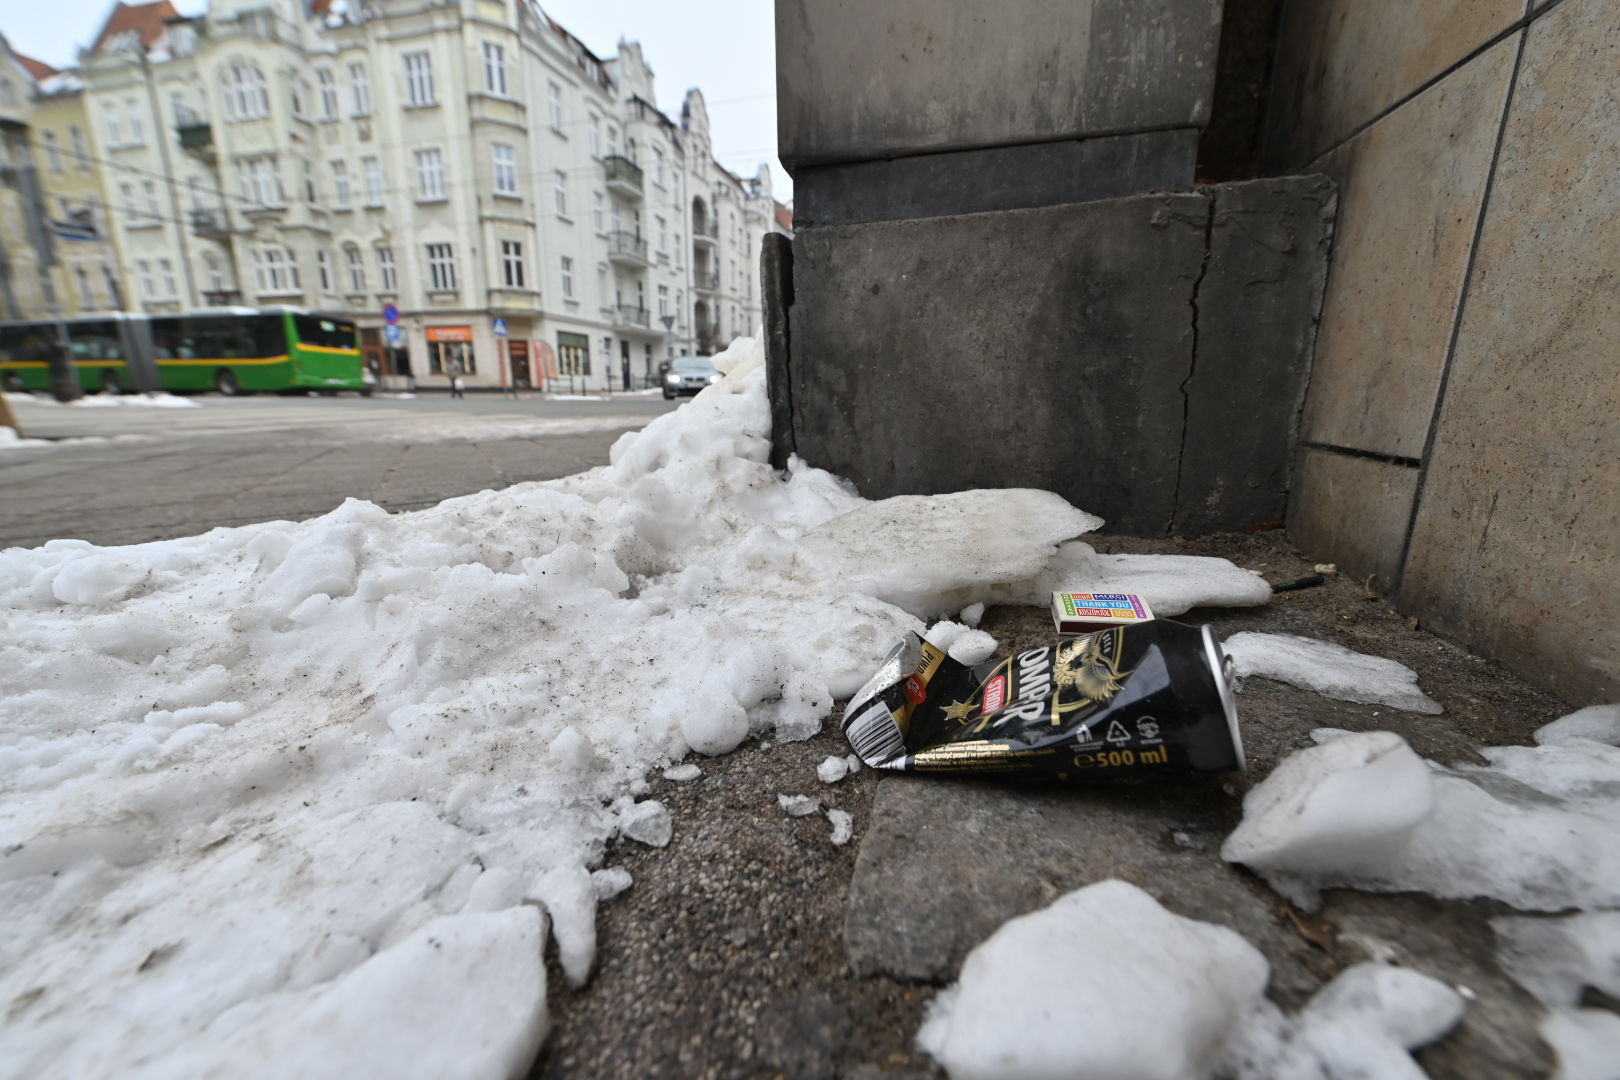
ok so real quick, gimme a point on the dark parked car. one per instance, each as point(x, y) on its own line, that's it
point(688, 375)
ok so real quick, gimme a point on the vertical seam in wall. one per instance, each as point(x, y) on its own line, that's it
point(1426, 458)
point(1192, 364)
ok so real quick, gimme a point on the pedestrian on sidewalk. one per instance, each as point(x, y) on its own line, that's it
point(456, 385)
point(624, 368)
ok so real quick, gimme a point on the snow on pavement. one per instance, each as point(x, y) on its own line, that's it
point(1330, 670)
point(1105, 984)
point(263, 786)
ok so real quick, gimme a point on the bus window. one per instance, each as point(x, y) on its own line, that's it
point(27, 343)
point(95, 340)
point(322, 330)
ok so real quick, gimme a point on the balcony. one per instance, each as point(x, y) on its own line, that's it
point(623, 176)
point(625, 315)
point(706, 233)
point(704, 280)
point(627, 249)
point(210, 225)
point(197, 139)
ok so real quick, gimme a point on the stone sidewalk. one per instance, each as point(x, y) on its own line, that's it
point(752, 947)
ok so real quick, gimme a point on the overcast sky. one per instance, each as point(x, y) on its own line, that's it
point(725, 48)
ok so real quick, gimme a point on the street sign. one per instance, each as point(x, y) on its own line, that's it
point(391, 314)
point(500, 327)
point(394, 334)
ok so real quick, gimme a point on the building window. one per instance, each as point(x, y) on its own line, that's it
point(596, 211)
point(360, 89)
point(300, 96)
point(554, 100)
point(323, 267)
point(329, 94)
point(81, 148)
point(662, 235)
point(512, 263)
point(87, 298)
point(115, 295)
point(596, 136)
point(419, 79)
point(131, 210)
point(275, 270)
point(374, 181)
point(429, 174)
point(385, 263)
point(573, 354)
point(53, 152)
point(613, 141)
point(562, 193)
point(115, 127)
point(441, 268)
point(340, 182)
point(216, 272)
point(153, 210)
point(260, 181)
point(310, 194)
point(494, 68)
point(568, 277)
point(357, 270)
point(137, 134)
point(505, 170)
point(658, 166)
point(663, 300)
point(246, 95)
point(143, 270)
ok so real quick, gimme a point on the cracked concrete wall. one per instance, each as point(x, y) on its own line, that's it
point(1459, 440)
point(1144, 357)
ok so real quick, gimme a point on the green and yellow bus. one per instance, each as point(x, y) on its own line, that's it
point(232, 350)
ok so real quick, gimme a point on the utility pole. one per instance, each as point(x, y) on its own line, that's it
point(161, 133)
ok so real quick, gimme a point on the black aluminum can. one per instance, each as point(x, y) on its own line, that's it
point(1152, 701)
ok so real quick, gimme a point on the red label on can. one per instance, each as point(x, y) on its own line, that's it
point(995, 694)
point(915, 690)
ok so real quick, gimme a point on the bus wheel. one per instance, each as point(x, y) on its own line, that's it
point(110, 383)
point(225, 382)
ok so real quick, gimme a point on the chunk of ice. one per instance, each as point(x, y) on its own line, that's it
point(843, 826)
point(798, 805)
point(1600, 723)
point(1103, 984)
point(683, 773)
point(1328, 669)
point(647, 821)
point(832, 770)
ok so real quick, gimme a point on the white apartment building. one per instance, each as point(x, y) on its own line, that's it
point(467, 162)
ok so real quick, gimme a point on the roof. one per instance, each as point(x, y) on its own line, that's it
point(147, 20)
point(784, 216)
point(39, 69)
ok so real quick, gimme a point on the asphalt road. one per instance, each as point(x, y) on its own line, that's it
point(129, 474)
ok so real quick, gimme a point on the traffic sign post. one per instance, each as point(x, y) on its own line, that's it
point(500, 327)
point(391, 314)
point(394, 333)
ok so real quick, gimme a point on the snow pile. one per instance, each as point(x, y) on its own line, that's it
point(158, 399)
point(1587, 1042)
point(1556, 960)
point(1535, 828)
point(1107, 985)
point(248, 779)
point(1102, 984)
point(1598, 723)
point(10, 440)
point(1328, 669)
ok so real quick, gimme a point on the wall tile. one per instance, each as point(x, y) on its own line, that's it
point(1410, 189)
point(1352, 511)
point(1342, 62)
point(1518, 535)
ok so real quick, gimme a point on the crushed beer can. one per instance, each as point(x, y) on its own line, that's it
point(1149, 701)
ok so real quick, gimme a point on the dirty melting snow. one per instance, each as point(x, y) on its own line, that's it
point(262, 788)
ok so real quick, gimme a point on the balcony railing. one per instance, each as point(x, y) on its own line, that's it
point(196, 138)
point(709, 231)
point(627, 246)
point(622, 175)
point(625, 315)
point(210, 225)
point(704, 281)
